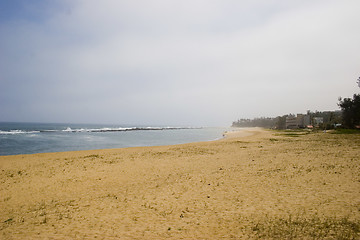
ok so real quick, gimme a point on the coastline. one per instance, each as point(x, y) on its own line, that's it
point(234, 133)
point(47, 138)
point(236, 187)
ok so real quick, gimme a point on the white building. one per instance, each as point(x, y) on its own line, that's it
point(296, 122)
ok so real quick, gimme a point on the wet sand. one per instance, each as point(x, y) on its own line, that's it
point(252, 184)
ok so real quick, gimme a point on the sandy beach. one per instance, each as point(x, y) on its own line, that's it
point(253, 184)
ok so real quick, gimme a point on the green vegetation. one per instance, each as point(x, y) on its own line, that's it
point(348, 117)
point(256, 122)
point(273, 139)
point(329, 118)
point(346, 131)
point(292, 132)
point(351, 111)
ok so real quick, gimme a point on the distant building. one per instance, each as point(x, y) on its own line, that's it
point(307, 120)
point(299, 121)
point(318, 121)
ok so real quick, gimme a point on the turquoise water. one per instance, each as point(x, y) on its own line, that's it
point(28, 138)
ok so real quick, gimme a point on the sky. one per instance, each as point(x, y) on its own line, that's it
point(175, 62)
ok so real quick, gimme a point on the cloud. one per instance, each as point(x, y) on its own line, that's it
point(178, 62)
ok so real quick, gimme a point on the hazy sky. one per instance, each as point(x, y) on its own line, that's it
point(175, 62)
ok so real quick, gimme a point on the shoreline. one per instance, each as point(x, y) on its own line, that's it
point(235, 187)
point(95, 142)
point(237, 133)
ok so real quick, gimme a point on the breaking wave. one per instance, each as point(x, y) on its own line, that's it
point(120, 129)
point(13, 132)
point(78, 130)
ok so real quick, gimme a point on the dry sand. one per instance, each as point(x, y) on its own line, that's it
point(261, 184)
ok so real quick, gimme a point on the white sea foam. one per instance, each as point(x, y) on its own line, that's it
point(68, 129)
point(13, 132)
point(24, 138)
point(79, 130)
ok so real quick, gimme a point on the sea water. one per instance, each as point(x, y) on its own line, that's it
point(28, 138)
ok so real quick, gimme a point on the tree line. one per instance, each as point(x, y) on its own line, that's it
point(350, 111)
point(347, 117)
point(330, 120)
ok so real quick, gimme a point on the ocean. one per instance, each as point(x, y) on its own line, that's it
point(29, 138)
